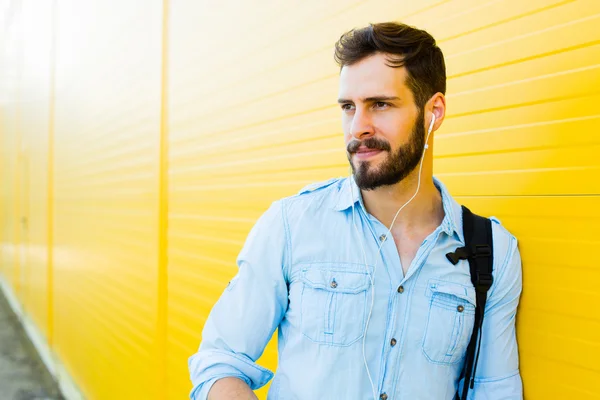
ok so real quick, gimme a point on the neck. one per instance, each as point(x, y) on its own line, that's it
point(423, 212)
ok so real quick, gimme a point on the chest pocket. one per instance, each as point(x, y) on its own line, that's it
point(334, 305)
point(450, 322)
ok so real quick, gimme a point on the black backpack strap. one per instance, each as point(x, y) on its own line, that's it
point(479, 251)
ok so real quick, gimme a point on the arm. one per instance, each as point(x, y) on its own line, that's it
point(231, 388)
point(497, 376)
point(244, 318)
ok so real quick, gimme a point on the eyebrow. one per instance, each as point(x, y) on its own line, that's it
point(371, 99)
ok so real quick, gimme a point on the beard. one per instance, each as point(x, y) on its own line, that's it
point(398, 164)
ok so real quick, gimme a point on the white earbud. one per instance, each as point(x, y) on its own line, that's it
point(431, 124)
point(429, 130)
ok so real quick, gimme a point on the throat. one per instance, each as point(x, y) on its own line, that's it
point(407, 250)
point(408, 244)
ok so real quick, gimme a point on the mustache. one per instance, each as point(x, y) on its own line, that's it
point(371, 143)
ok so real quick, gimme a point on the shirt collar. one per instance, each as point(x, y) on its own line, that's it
point(349, 194)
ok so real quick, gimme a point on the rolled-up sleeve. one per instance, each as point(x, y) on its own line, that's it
point(497, 376)
point(244, 318)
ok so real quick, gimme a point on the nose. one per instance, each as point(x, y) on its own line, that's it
point(361, 125)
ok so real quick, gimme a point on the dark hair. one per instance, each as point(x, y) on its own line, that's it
point(407, 46)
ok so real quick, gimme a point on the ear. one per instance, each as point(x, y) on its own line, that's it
point(436, 106)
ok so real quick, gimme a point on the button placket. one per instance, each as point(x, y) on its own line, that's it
point(389, 257)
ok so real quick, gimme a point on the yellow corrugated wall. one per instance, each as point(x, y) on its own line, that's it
point(144, 144)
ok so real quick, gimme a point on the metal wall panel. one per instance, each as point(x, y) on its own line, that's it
point(253, 118)
point(32, 165)
point(12, 60)
point(107, 121)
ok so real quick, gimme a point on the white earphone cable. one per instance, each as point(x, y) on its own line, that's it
point(372, 275)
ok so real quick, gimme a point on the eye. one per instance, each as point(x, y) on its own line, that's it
point(346, 107)
point(381, 104)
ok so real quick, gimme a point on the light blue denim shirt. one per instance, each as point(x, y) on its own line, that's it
point(302, 270)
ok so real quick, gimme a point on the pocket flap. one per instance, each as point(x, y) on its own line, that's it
point(455, 289)
point(336, 280)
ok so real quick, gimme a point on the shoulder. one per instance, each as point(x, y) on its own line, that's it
point(319, 186)
point(507, 258)
point(311, 201)
point(316, 194)
point(504, 241)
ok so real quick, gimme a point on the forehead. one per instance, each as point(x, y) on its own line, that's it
point(370, 77)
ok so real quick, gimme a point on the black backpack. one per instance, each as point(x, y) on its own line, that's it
point(479, 250)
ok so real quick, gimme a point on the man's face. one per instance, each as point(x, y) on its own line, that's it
point(384, 130)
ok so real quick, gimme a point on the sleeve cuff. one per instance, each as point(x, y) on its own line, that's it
point(210, 365)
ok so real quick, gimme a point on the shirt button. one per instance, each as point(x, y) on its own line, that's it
point(382, 238)
point(400, 289)
point(383, 396)
point(393, 342)
point(460, 308)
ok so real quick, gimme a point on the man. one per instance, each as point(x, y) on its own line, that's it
point(354, 272)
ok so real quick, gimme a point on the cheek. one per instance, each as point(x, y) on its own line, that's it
point(396, 128)
point(346, 126)
point(347, 138)
point(394, 122)
point(347, 133)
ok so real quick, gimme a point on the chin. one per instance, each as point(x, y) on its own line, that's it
point(371, 165)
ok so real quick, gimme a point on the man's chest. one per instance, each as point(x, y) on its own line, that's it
point(407, 248)
point(332, 297)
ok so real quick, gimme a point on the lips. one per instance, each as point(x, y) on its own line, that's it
point(366, 153)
